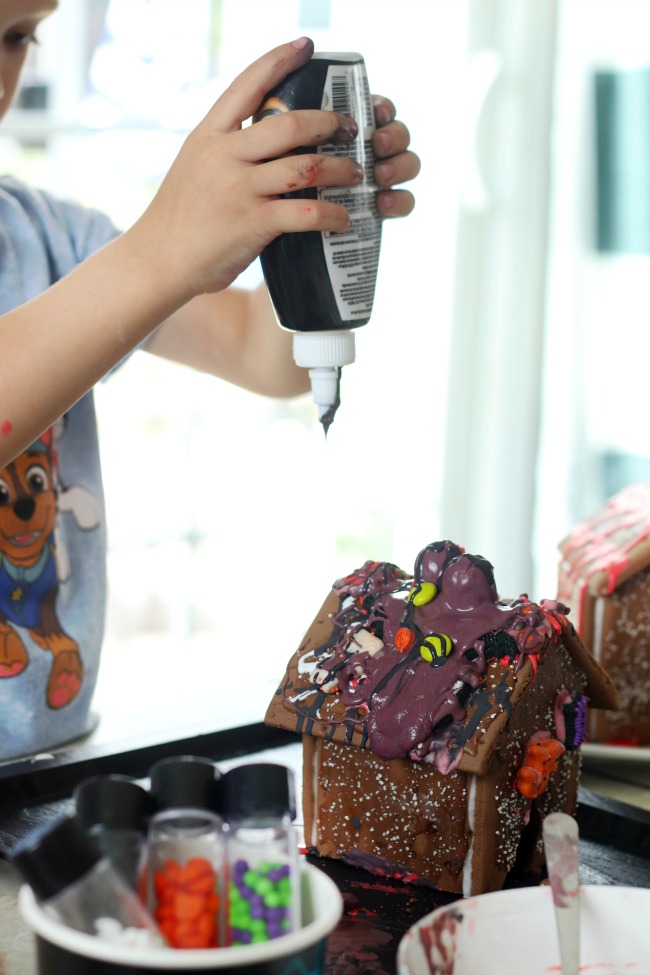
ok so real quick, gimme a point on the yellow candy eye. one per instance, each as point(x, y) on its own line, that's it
point(436, 647)
point(423, 593)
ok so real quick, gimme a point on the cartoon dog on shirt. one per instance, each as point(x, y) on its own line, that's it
point(31, 557)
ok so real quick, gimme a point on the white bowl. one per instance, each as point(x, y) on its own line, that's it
point(513, 931)
point(63, 951)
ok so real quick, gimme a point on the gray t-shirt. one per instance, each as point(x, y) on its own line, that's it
point(52, 520)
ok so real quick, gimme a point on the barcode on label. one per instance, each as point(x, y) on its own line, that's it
point(340, 94)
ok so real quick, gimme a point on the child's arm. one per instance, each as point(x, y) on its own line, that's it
point(216, 209)
point(233, 334)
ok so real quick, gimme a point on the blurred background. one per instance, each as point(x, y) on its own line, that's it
point(499, 393)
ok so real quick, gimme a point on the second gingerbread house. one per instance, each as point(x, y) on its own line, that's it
point(604, 576)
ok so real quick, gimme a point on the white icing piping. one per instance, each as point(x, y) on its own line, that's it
point(599, 612)
point(314, 774)
point(303, 667)
point(467, 866)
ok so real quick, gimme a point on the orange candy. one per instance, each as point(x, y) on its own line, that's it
point(540, 761)
point(187, 903)
point(403, 639)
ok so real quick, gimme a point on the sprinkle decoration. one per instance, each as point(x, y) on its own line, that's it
point(260, 902)
point(187, 903)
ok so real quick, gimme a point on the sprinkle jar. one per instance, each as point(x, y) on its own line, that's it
point(80, 887)
point(185, 865)
point(113, 809)
point(262, 854)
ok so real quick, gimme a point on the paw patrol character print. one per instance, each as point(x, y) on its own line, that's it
point(32, 562)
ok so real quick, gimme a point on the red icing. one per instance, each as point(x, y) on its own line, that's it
point(603, 544)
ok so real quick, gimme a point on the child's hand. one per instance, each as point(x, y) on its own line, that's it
point(220, 203)
point(396, 164)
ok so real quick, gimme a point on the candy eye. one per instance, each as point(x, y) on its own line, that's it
point(422, 593)
point(436, 648)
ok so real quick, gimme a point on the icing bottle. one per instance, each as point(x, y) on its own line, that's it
point(322, 284)
point(261, 852)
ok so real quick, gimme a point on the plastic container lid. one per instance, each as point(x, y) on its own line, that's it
point(113, 801)
point(57, 857)
point(186, 781)
point(259, 789)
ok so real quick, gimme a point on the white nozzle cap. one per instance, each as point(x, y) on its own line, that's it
point(324, 387)
point(332, 349)
point(323, 353)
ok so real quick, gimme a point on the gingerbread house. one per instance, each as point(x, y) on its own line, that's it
point(440, 723)
point(604, 576)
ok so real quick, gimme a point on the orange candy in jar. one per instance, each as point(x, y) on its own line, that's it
point(185, 870)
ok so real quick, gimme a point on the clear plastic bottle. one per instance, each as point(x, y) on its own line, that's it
point(262, 853)
point(113, 809)
point(322, 285)
point(81, 888)
point(185, 862)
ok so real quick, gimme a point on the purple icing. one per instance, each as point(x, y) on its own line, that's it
point(414, 706)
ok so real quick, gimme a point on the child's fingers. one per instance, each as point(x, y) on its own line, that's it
point(384, 110)
point(244, 96)
point(304, 170)
point(276, 135)
point(295, 216)
point(396, 169)
point(391, 139)
point(395, 203)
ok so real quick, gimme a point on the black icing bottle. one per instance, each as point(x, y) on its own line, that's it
point(322, 284)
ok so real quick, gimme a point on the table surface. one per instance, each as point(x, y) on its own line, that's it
point(613, 815)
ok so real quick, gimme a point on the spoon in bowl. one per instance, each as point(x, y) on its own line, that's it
point(560, 834)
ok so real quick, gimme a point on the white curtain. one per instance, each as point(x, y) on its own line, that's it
point(495, 382)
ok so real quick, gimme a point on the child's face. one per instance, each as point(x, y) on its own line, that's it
point(19, 20)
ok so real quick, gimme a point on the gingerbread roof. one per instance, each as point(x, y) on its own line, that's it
point(428, 666)
point(612, 546)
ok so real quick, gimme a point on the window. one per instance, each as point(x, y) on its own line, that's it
point(594, 438)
